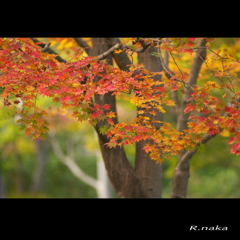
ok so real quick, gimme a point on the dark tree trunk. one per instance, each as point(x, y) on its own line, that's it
point(146, 168)
point(145, 180)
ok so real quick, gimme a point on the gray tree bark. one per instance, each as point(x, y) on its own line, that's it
point(181, 171)
point(2, 183)
point(41, 156)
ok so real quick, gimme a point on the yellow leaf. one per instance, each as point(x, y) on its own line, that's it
point(68, 45)
point(62, 44)
point(141, 112)
point(134, 100)
point(53, 42)
point(30, 88)
point(224, 133)
point(75, 85)
point(118, 51)
point(161, 109)
point(170, 103)
point(208, 44)
point(224, 95)
point(110, 114)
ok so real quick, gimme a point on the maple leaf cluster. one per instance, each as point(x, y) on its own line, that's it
point(27, 73)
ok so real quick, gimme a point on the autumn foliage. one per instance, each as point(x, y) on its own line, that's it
point(27, 72)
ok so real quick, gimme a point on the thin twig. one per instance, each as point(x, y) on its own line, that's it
point(170, 74)
point(176, 63)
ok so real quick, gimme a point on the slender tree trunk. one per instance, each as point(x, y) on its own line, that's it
point(19, 175)
point(181, 171)
point(2, 183)
point(101, 184)
point(41, 155)
point(2, 186)
point(106, 190)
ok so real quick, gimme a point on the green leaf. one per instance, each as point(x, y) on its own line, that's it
point(43, 135)
point(22, 127)
point(132, 47)
point(103, 130)
point(155, 54)
point(45, 122)
point(201, 148)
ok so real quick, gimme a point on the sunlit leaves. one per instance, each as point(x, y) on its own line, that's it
point(27, 73)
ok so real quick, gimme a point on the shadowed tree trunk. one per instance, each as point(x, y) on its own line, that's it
point(145, 180)
point(146, 168)
point(181, 171)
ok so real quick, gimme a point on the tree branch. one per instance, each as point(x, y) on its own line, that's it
point(48, 50)
point(84, 45)
point(45, 49)
point(70, 163)
point(122, 58)
point(189, 154)
point(104, 55)
point(192, 80)
point(174, 94)
point(122, 46)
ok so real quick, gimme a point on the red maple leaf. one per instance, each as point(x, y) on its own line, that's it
point(110, 121)
point(106, 106)
point(174, 88)
point(147, 148)
point(143, 129)
point(213, 131)
point(231, 140)
point(94, 115)
point(201, 119)
point(97, 106)
point(190, 107)
point(136, 138)
point(227, 109)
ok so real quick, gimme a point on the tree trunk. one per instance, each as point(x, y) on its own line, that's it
point(106, 190)
point(145, 180)
point(181, 171)
point(41, 155)
point(146, 168)
point(2, 183)
point(19, 173)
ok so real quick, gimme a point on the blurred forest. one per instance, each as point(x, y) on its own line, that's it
point(69, 164)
